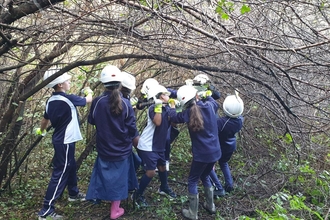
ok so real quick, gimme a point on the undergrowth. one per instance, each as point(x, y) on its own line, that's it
point(267, 186)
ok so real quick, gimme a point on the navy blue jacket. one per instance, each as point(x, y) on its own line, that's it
point(114, 134)
point(227, 128)
point(205, 143)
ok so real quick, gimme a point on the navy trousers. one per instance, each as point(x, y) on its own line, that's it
point(64, 175)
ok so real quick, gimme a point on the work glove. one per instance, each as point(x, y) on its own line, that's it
point(158, 105)
point(87, 91)
point(205, 94)
point(171, 102)
point(39, 132)
point(175, 102)
point(134, 101)
point(208, 93)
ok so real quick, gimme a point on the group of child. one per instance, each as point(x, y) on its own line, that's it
point(112, 113)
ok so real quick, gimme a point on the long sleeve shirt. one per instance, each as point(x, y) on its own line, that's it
point(114, 133)
point(205, 143)
point(227, 129)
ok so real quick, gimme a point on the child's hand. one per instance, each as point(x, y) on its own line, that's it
point(208, 93)
point(205, 94)
point(171, 102)
point(39, 132)
point(158, 105)
point(87, 91)
point(158, 102)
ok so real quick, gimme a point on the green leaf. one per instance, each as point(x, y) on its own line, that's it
point(225, 16)
point(218, 10)
point(19, 118)
point(288, 138)
point(245, 9)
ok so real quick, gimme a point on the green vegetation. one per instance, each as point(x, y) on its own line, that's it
point(272, 187)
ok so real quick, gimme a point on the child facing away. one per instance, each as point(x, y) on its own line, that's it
point(228, 127)
point(151, 146)
point(61, 112)
point(114, 119)
point(201, 118)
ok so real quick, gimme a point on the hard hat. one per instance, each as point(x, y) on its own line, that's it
point(148, 83)
point(233, 106)
point(155, 90)
point(201, 79)
point(185, 94)
point(111, 73)
point(61, 79)
point(128, 81)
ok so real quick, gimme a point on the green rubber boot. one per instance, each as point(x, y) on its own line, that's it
point(191, 213)
point(209, 204)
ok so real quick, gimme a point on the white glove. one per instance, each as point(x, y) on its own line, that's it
point(158, 105)
point(158, 101)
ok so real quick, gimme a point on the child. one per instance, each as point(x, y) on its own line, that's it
point(228, 126)
point(114, 119)
point(151, 145)
point(201, 119)
point(173, 132)
point(61, 112)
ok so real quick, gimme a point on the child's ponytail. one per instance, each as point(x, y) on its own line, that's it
point(115, 101)
point(196, 122)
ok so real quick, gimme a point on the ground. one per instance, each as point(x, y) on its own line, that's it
point(160, 207)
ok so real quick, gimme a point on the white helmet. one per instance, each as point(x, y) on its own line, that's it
point(111, 73)
point(201, 79)
point(128, 81)
point(148, 83)
point(233, 106)
point(185, 94)
point(155, 90)
point(61, 79)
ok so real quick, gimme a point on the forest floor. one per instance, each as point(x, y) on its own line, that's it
point(254, 186)
point(25, 202)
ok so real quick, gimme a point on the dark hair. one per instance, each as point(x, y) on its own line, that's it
point(158, 95)
point(115, 100)
point(125, 91)
point(196, 122)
